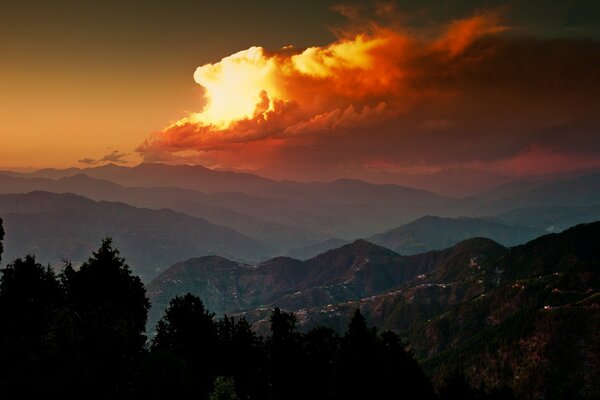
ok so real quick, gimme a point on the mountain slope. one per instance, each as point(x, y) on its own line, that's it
point(59, 226)
point(552, 218)
point(577, 192)
point(524, 317)
point(306, 252)
point(434, 233)
point(349, 272)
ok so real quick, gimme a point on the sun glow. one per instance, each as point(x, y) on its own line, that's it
point(238, 87)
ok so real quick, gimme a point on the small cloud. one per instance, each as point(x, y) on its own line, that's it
point(114, 157)
point(88, 160)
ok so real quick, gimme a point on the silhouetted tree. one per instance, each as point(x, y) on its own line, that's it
point(163, 375)
point(372, 365)
point(320, 348)
point(241, 356)
point(30, 295)
point(284, 356)
point(356, 370)
point(456, 387)
point(397, 364)
point(188, 331)
point(109, 311)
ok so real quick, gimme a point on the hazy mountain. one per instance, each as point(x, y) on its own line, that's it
point(165, 175)
point(66, 226)
point(434, 233)
point(306, 252)
point(316, 211)
point(509, 189)
point(209, 206)
point(457, 182)
point(551, 219)
point(577, 192)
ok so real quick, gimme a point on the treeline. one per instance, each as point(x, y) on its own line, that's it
point(81, 333)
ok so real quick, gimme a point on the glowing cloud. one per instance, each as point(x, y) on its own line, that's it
point(251, 94)
point(462, 33)
point(235, 86)
point(388, 94)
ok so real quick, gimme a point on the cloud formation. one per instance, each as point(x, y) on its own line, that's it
point(470, 93)
point(113, 157)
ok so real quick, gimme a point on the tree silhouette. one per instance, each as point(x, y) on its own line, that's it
point(356, 372)
point(284, 350)
point(456, 387)
point(372, 365)
point(320, 348)
point(397, 364)
point(241, 356)
point(30, 295)
point(188, 331)
point(109, 310)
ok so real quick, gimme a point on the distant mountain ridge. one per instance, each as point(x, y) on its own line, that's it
point(209, 206)
point(318, 211)
point(435, 233)
point(66, 226)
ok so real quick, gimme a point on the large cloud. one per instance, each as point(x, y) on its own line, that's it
point(471, 93)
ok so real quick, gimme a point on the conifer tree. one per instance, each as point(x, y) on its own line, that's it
point(188, 331)
point(109, 311)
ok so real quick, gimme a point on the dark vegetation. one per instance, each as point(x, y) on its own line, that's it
point(80, 333)
point(529, 332)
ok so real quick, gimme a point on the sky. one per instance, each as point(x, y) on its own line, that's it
point(302, 90)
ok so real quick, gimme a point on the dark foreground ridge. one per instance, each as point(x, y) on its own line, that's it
point(483, 320)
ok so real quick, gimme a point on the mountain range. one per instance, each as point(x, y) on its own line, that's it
point(295, 219)
point(57, 227)
point(525, 317)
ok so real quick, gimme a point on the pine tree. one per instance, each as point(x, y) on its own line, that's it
point(284, 356)
point(108, 309)
point(30, 296)
point(188, 331)
point(242, 356)
point(356, 369)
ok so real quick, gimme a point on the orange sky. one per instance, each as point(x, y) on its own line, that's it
point(81, 79)
point(344, 91)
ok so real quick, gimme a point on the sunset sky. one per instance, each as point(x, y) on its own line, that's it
point(302, 90)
